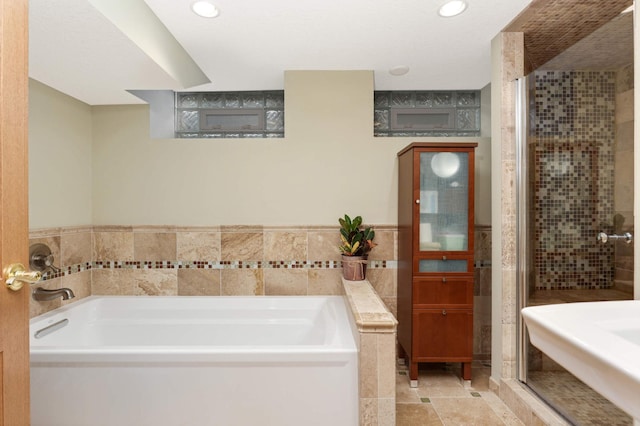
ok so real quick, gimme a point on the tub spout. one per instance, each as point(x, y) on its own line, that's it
point(42, 295)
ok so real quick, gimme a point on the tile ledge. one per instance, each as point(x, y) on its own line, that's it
point(369, 311)
point(526, 405)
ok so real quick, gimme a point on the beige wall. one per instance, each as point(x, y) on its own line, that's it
point(328, 164)
point(59, 159)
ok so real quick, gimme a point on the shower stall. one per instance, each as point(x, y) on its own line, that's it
point(575, 203)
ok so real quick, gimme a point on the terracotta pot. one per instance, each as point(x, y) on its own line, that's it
point(354, 268)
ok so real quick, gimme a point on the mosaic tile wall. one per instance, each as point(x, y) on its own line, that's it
point(465, 104)
point(574, 134)
point(232, 260)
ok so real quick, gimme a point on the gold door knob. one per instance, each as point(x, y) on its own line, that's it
point(16, 276)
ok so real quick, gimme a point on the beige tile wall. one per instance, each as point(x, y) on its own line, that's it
point(104, 251)
point(71, 250)
point(482, 295)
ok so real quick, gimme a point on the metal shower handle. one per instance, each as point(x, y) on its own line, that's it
point(41, 259)
point(603, 237)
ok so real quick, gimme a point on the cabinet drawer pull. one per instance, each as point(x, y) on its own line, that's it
point(444, 312)
point(444, 279)
point(444, 257)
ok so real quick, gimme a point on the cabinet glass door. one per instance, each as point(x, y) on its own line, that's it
point(444, 201)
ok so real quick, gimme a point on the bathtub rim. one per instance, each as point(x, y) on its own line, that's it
point(344, 342)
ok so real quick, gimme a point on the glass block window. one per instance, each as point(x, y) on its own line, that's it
point(426, 113)
point(229, 114)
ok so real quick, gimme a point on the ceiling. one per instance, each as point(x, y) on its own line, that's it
point(75, 49)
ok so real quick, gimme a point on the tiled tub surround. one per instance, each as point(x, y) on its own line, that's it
point(71, 248)
point(376, 355)
point(225, 260)
point(232, 260)
point(375, 324)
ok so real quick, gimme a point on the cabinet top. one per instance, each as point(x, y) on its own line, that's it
point(438, 145)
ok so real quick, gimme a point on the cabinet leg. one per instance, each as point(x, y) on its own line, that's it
point(413, 374)
point(466, 370)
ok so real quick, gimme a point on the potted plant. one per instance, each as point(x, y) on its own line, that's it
point(355, 246)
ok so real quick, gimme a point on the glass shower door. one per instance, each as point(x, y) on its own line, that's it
point(575, 213)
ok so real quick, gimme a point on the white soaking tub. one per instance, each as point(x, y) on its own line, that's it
point(119, 360)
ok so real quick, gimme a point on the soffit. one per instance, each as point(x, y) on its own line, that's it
point(552, 26)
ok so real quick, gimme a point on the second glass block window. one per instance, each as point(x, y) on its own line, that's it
point(427, 113)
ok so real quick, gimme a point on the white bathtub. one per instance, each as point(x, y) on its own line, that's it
point(195, 361)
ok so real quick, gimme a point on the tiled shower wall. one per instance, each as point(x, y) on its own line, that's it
point(573, 173)
point(231, 260)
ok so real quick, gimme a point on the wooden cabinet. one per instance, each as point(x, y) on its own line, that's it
point(435, 254)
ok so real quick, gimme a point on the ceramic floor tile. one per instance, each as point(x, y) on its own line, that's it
point(417, 415)
point(440, 381)
point(404, 393)
point(444, 379)
point(443, 392)
point(442, 398)
point(465, 412)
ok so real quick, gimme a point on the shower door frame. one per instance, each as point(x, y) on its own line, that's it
point(523, 250)
point(636, 152)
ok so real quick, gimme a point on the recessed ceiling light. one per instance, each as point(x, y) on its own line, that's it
point(399, 70)
point(452, 8)
point(205, 9)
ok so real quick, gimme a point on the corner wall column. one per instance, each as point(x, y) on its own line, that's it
point(508, 65)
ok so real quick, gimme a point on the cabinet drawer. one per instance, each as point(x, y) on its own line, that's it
point(444, 291)
point(441, 335)
point(444, 264)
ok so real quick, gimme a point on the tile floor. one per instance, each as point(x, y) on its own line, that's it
point(442, 398)
point(578, 402)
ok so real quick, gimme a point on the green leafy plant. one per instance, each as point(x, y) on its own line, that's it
point(355, 241)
